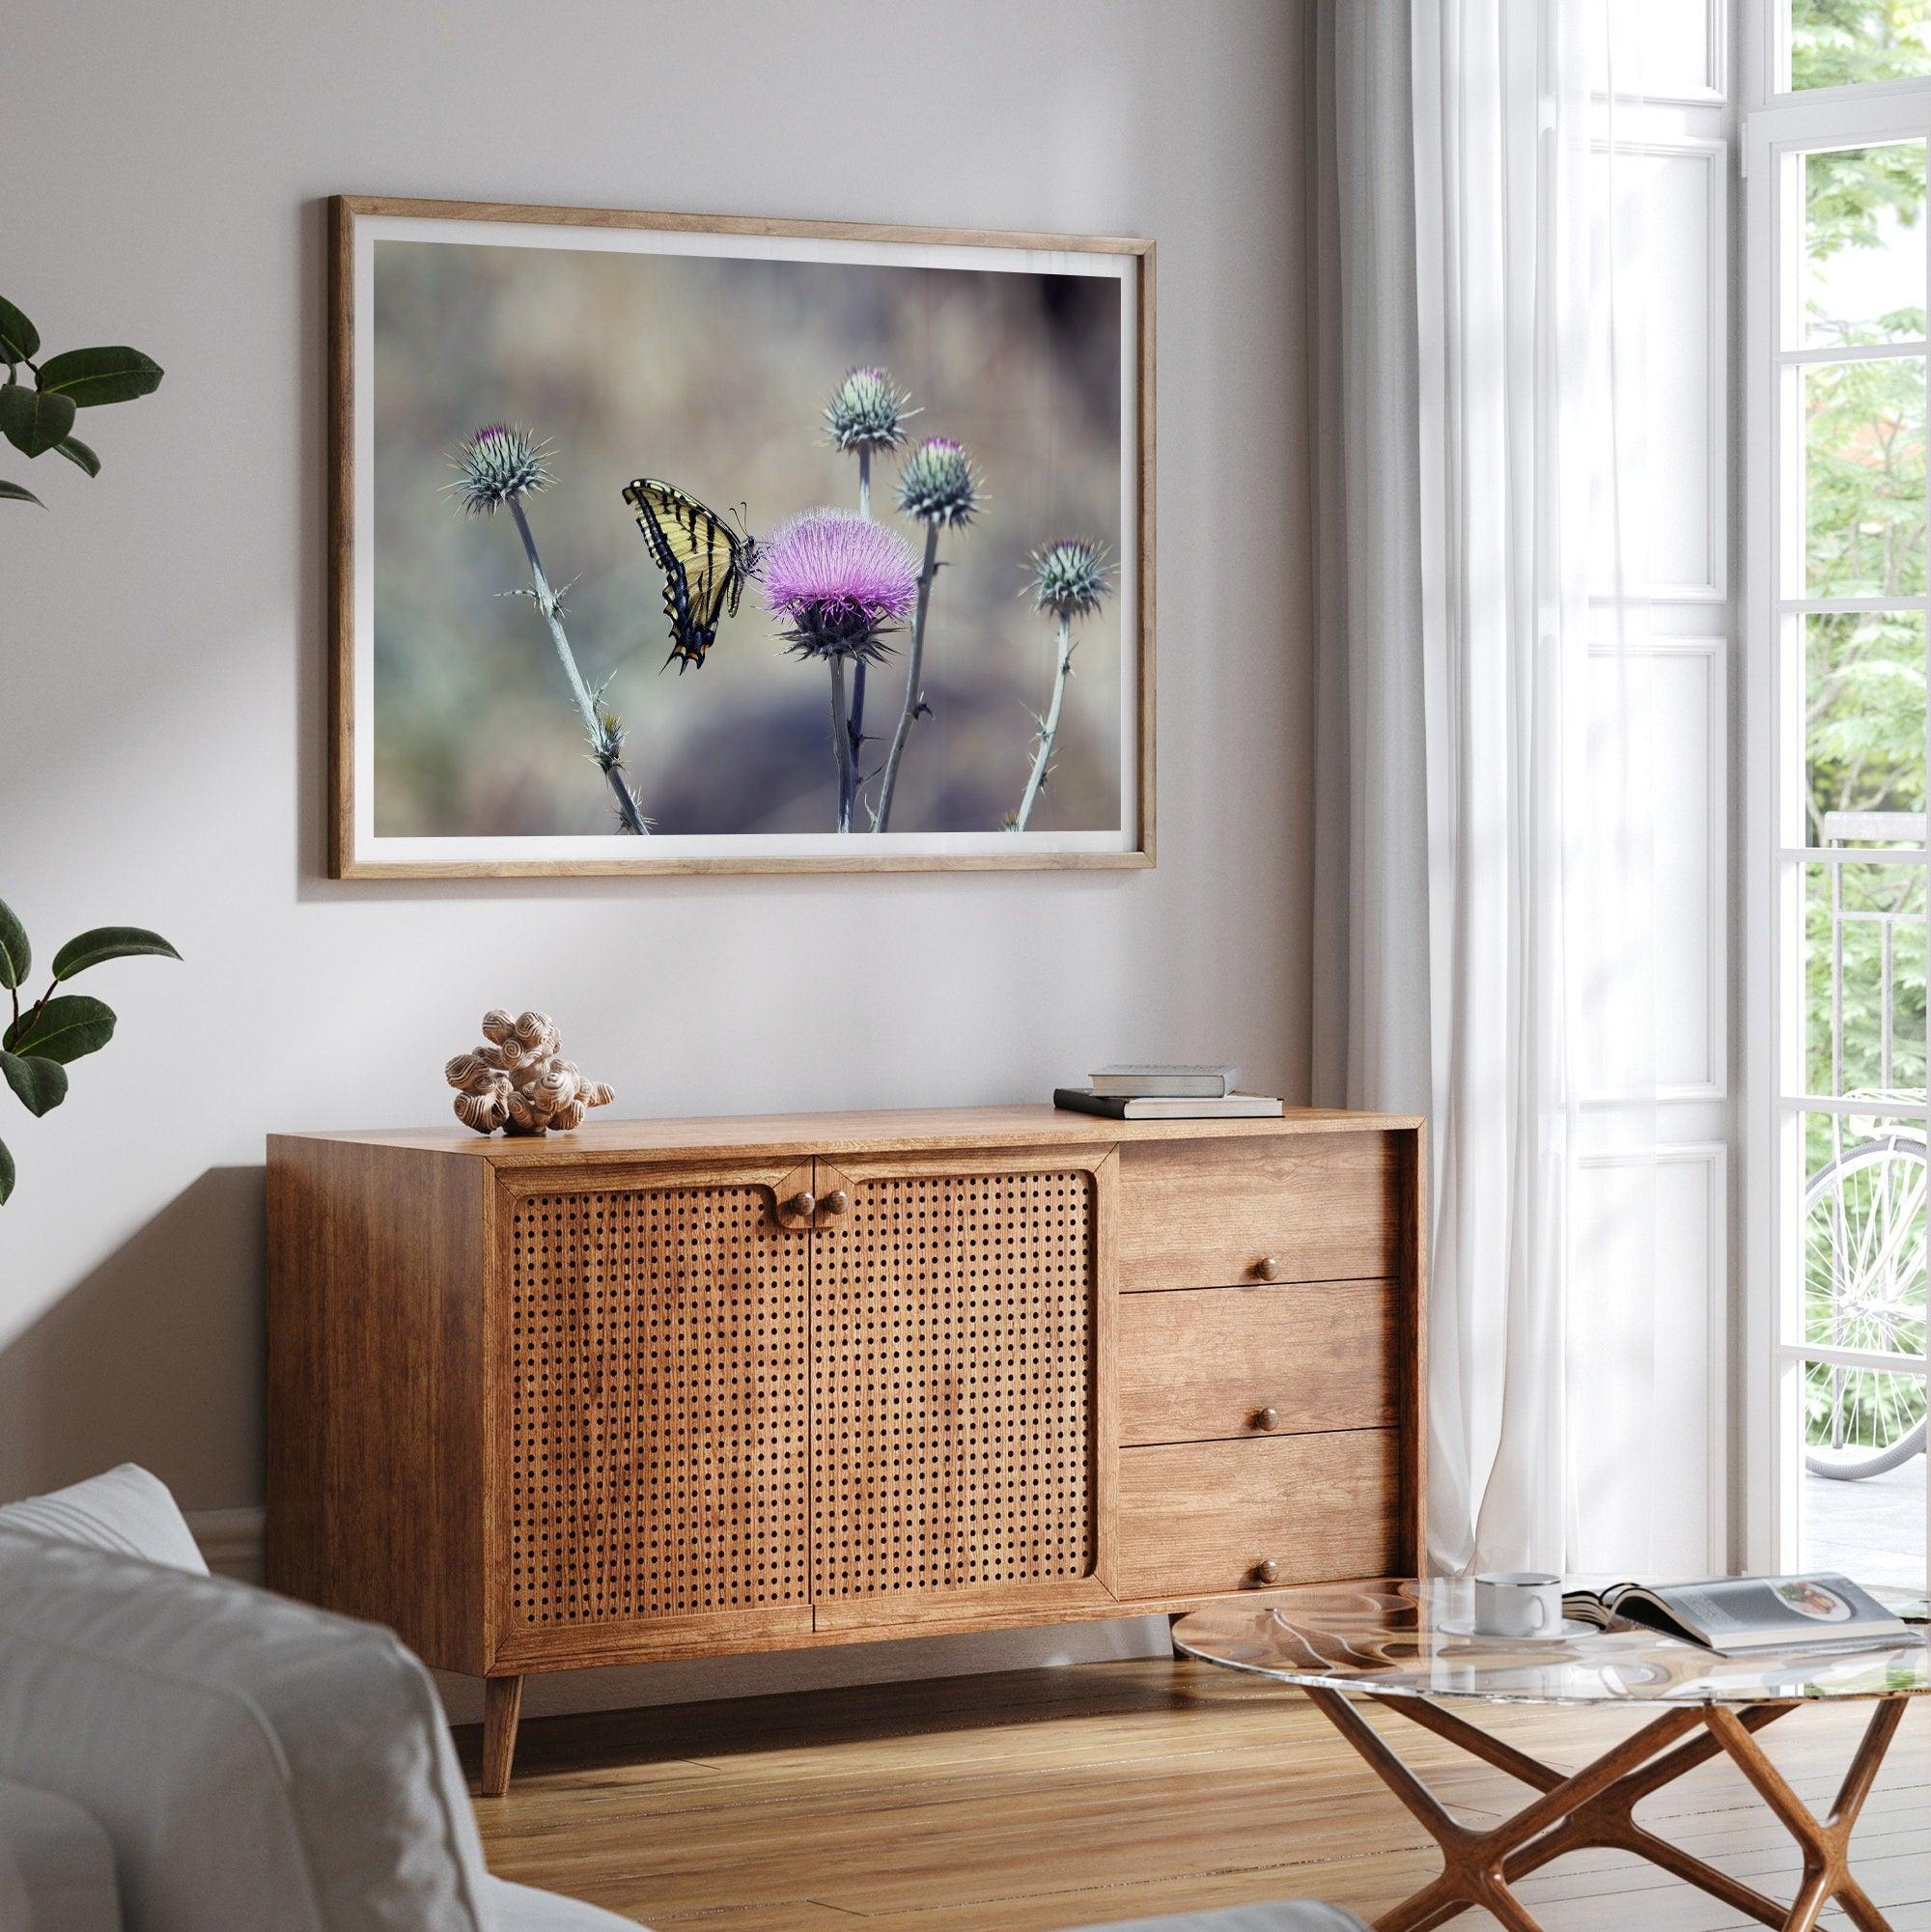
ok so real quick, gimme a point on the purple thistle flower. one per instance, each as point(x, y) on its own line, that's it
point(839, 579)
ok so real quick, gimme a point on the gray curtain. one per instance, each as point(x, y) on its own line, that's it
point(1372, 1032)
point(1367, 496)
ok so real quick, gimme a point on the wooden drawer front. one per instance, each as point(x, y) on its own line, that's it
point(658, 1355)
point(1200, 1518)
point(1207, 1214)
point(1201, 1364)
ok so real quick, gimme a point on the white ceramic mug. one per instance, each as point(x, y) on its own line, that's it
point(1518, 1603)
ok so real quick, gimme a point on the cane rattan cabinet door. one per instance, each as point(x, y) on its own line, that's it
point(956, 1389)
point(657, 1397)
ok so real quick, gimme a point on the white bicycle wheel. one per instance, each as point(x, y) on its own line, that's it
point(1865, 1288)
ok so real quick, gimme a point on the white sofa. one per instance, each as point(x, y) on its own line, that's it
point(183, 1753)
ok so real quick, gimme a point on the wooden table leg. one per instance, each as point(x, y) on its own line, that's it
point(1473, 1864)
point(1595, 1808)
point(502, 1707)
point(1859, 1909)
point(1610, 1821)
point(1826, 1843)
point(1476, 1743)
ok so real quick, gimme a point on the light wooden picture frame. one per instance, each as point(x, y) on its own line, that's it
point(795, 547)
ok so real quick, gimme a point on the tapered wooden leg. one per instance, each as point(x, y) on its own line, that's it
point(1595, 1806)
point(1474, 1862)
point(1433, 1904)
point(1866, 1764)
point(1610, 1820)
point(1826, 1843)
point(1859, 1909)
point(1807, 1906)
point(502, 1707)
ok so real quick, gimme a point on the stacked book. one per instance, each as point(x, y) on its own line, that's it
point(1166, 1093)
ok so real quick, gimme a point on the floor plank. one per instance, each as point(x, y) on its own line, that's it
point(1051, 1798)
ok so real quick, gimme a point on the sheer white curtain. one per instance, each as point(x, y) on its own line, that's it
point(1482, 726)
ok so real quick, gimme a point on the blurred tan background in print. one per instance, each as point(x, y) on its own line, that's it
point(712, 374)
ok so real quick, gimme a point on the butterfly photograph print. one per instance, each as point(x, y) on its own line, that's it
point(664, 543)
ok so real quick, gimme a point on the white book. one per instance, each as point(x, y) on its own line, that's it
point(1736, 1615)
point(1166, 1081)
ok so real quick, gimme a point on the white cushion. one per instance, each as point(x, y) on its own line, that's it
point(56, 1866)
point(127, 1509)
point(259, 1766)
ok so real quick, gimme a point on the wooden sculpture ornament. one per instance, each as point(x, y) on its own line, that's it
point(519, 1079)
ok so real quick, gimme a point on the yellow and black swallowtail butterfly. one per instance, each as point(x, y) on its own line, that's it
point(704, 562)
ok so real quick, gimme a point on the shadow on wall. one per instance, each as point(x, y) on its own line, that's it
point(156, 1357)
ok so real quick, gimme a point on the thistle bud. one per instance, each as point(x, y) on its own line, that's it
point(936, 485)
point(495, 466)
point(1069, 577)
point(867, 413)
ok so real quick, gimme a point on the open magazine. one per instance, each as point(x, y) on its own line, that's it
point(1736, 1616)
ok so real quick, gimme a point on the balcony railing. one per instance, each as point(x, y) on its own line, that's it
point(1863, 1312)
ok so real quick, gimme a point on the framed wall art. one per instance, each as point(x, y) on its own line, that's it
point(678, 544)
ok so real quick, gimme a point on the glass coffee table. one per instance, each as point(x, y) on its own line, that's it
point(1404, 1644)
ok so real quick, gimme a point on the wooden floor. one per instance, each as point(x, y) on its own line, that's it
point(1066, 1798)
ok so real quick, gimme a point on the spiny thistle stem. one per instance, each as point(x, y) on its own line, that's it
point(841, 743)
point(914, 702)
point(855, 728)
point(1049, 729)
point(855, 731)
point(606, 743)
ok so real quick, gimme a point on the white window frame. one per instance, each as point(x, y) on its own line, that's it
point(1779, 126)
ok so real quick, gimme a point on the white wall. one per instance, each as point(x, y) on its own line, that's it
point(162, 716)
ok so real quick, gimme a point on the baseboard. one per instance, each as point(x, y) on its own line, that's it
point(231, 1540)
point(702, 1680)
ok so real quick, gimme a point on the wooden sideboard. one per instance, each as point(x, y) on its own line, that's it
point(673, 1388)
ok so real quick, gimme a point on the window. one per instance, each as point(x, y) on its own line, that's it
point(1853, 43)
point(1835, 541)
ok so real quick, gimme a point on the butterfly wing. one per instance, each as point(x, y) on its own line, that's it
point(702, 558)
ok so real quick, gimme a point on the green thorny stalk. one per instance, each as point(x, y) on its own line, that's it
point(854, 727)
point(843, 746)
point(1048, 725)
point(915, 705)
point(606, 737)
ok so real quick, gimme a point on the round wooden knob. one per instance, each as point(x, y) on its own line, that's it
point(1268, 1268)
point(803, 1205)
point(1267, 1570)
point(836, 1201)
point(1267, 1418)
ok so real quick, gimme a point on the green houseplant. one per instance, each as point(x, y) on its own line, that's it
point(43, 1038)
point(47, 1035)
point(38, 414)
